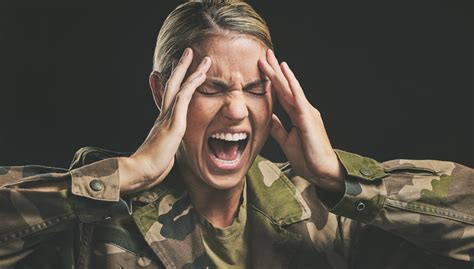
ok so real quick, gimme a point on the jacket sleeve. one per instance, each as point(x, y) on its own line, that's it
point(426, 202)
point(37, 201)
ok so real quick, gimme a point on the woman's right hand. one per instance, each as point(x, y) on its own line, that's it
point(153, 160)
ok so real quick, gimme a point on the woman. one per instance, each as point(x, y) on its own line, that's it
point(197, 195)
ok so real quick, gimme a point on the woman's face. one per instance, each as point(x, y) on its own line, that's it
point(229, 116)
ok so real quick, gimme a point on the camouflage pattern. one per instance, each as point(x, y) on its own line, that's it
point(399, 214)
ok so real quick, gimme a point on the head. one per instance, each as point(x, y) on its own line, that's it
point(229, 116)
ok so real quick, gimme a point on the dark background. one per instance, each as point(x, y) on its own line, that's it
point(392, 80)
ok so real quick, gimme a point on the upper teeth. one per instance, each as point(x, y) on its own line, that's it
point(229, 136)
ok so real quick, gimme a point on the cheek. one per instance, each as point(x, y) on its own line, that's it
point(266, 103)
point(200, 114)
point(262, 106)
point(261, 109)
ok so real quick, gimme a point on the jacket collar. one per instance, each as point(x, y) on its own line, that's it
point(271, 192)
point(170, 224)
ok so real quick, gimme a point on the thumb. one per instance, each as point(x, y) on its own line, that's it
point(278, 131)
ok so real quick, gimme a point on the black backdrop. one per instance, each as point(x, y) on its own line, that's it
point(392, 80)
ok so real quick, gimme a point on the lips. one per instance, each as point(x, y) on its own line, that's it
point(226, 149)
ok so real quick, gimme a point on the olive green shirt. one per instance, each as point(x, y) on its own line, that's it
point(227, 247)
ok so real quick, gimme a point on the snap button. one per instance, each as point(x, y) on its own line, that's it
point(96, 185)
point(365, 172)
point(360, 205)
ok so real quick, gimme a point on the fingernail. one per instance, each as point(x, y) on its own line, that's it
point(186, 52)
point(204, 61)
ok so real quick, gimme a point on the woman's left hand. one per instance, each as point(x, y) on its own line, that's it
point(307, 145)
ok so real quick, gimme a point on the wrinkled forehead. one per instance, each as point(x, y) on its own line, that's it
point(234, 57)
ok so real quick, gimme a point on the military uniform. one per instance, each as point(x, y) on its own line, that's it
point(399, 214)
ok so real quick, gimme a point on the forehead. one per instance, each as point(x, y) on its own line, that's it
point(234, 57)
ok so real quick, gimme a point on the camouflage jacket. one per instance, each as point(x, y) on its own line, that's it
point(399, 214)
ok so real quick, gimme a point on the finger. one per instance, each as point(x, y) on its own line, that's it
point(174, 63)
point(278, 131)
point(183, 97)
point(189, 86)
point(295, 86)
point(272, 60)
point(174, 82)
point(284, 96)
point(282, 83)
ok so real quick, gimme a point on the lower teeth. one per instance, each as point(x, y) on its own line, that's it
point(228, 162)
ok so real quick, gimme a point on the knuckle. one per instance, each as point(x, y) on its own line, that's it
point(193, 77)
point(185, 84)
point(177, 129)
point(191, 81)
point(197, 78)
point(275, 76)
point(181, 96)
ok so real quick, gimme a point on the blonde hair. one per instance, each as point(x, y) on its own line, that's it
point(194, 21)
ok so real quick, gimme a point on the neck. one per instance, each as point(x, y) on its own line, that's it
point(219, 207)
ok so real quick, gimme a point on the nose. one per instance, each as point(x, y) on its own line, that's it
point(235, 108)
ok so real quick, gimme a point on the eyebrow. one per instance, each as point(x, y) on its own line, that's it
point(221, 85)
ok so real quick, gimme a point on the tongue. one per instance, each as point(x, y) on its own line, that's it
point(224, 150)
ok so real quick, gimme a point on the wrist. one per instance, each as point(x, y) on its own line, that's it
point(332, 177)
point(129, 174)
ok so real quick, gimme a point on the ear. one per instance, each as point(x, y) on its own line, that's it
point(157, 82)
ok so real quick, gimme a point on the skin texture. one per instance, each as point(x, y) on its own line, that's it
point(234, 107)
point(189, 115)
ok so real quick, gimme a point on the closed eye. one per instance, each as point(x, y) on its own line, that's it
point(257, 88)
point(207, 90)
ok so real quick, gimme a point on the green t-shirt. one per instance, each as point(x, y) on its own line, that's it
point(227, 248)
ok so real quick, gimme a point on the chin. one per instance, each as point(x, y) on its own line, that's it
point(224, 182)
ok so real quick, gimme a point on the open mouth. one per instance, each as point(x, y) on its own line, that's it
point(227, 148)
